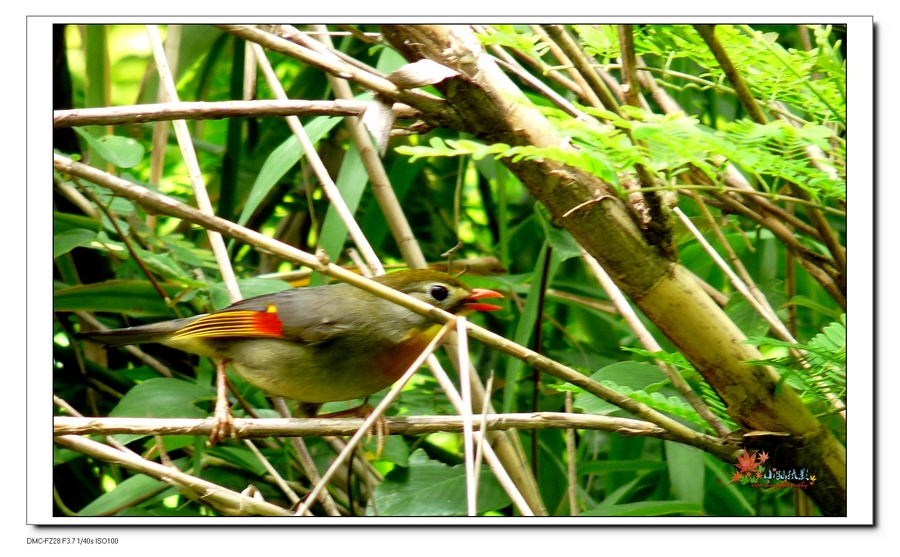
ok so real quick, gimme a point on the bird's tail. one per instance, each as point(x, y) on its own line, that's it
point(153, 332)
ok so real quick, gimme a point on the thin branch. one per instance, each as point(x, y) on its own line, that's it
point(114, 220)
point(778, 228)
point(253, 428)
point(742, 191)
point(78, 199)
point(69, 409)
point(598, 305)
point(161, 128)
point(631, 88)
point(741, 90)
point(535, 63)
point(780, 330)
point(465, 408)
point(542, 88)
point(705, 84)
point(720, 299)
point(225, 500)
point(790, 271)
point(479, 448)
point(738, 284)
point(290, 33)
point(826, 281)
point(190, 160)
point(572, 465)
point(141, 113)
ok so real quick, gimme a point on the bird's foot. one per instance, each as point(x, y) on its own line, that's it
point(223, 427)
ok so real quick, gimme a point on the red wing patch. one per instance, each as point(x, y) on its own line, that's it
point(235, 323)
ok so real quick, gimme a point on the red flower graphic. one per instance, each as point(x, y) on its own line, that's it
point(746, 462)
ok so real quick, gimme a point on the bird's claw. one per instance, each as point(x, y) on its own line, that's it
point(380, 427)
point(223, 427)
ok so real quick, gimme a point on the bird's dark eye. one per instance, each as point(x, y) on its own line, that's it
point(439, 292)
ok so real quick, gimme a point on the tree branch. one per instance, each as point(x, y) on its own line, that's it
point(157, 112)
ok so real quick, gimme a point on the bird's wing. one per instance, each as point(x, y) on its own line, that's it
point(302, 315)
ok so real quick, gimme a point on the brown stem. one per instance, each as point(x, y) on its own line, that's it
point(632, 86)
point(745, 97)
point(580, 61)
point(579, 86)
point(397, 425)
point(138, 114)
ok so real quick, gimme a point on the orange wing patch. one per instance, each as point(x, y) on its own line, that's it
point(236, 323)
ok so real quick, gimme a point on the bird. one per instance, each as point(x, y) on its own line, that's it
point(313, 344)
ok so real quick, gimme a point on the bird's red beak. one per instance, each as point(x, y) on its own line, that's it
point(478, 294)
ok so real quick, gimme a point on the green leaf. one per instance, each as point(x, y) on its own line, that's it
point(723, 489)
point(396, 450)
point(67, 241)
point(836, 333)
point(648, 508)
point(280, 161)
point(597, 466)
point(132, 297)
point(122, 152)
point(61, 455)
point(525, 326)
point(633, 376)
point(686, 471)
point(636, 375)
point(164, 264)
point(592, 404)
point(351, 182)
point(185, 252)
point(642, 131)
point(745, 316)
point(431, 488)
point(63, 222)
point(135, 488)
point(240, 456)
point(164, 397)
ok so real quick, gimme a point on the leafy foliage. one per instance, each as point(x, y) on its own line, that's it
point(817, 369)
